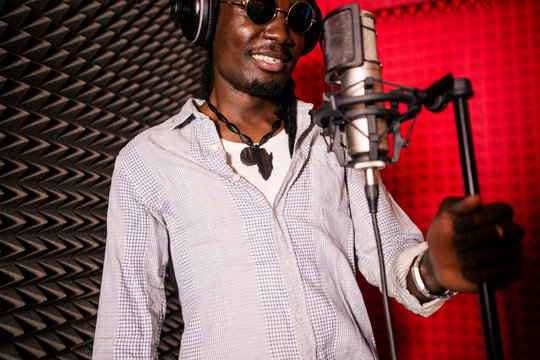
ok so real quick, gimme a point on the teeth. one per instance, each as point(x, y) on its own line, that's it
point(267, 59)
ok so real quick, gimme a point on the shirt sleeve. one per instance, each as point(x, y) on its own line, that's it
point(132, 301)
point(401, 241)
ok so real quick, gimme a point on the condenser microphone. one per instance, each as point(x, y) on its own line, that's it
point(350, 54)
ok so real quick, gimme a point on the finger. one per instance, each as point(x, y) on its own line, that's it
point(495, 213)
point(497, 276)
point(487, 236)
point(497, 256)
point(461, 205)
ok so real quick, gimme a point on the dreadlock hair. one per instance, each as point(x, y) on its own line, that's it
point(286, 109)
point(207, 77)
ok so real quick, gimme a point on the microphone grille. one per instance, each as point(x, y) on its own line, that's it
point(344, 40)
point(339, 39)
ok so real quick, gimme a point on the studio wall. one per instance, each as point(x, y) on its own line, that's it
point(79, 79)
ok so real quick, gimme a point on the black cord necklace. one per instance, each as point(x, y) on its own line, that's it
point(253, 154)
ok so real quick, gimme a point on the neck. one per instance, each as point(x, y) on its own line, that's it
point(252, 115)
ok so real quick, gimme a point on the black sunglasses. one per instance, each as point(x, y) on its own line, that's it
point(299, 17)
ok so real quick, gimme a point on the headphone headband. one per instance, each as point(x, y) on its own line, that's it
point(198, 19)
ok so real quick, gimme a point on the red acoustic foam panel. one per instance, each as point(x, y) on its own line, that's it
point(495, 44)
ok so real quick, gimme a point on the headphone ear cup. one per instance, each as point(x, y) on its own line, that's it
point(210, 22)
point(196, 18)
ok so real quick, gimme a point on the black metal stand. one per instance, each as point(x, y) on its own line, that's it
point(435, 99)
point(461, 92)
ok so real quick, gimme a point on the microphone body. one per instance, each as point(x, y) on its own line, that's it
point(353, 83)
point(350, 52)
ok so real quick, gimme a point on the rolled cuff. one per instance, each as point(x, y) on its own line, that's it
point(400, 271)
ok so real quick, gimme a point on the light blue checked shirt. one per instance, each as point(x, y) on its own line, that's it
point(256, 280)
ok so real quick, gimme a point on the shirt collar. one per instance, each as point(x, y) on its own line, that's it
point(191, 112)
point(190, 109)
point(205, 145)
point(304, 115)
point(187, 114)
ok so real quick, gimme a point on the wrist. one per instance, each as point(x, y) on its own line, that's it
point(427, 275)
point(422, 281)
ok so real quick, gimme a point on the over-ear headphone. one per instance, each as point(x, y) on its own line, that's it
point(198, 19)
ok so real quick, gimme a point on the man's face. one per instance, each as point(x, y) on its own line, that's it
point(255, 59)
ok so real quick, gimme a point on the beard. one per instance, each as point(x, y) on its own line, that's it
point(270, 89)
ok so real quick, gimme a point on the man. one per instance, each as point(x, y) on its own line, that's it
point(263, 227)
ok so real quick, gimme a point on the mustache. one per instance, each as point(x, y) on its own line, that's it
point(272, 49)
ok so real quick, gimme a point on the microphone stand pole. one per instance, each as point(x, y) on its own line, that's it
point(461, 92)
point(435, 99)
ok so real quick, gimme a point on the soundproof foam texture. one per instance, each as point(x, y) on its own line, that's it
point(78, 79)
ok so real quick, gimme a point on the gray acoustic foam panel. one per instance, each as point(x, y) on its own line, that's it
point(78, 79)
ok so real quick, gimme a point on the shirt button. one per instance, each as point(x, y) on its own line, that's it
point(215, 148)
point(288, 263)
point(236, 177)
point(299, 316)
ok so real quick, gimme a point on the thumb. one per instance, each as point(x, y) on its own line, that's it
point(460, 205)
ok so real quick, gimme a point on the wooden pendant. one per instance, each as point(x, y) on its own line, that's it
point(258, 156)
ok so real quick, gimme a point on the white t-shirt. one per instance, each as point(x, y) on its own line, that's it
point(278, 145)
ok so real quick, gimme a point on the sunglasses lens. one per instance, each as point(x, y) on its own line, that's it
point(261, 12)
point(300, 17)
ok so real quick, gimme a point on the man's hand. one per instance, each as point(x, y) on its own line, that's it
point(470, 243)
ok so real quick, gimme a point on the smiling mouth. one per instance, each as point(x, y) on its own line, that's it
point(267, 59)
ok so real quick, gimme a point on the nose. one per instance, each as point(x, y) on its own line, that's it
point(278, 29)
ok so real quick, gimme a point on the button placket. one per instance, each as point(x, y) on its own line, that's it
point(298, 306)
